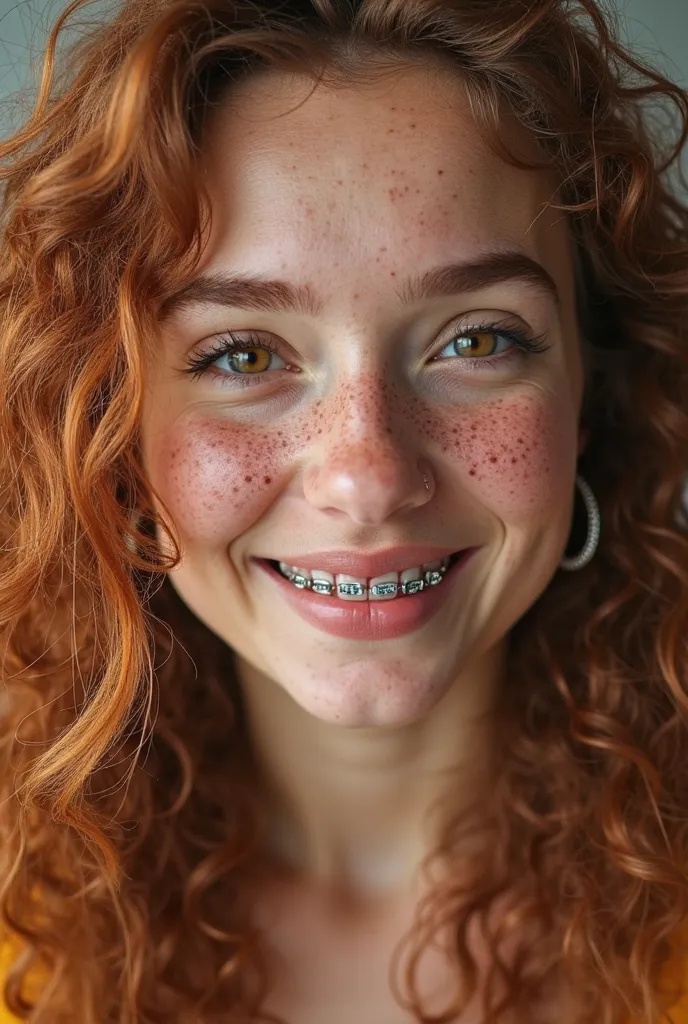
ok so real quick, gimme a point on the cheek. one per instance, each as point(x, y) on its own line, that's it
point(517, 455)
point(217, 478)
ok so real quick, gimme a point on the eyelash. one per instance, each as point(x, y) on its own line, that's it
point(229, 343)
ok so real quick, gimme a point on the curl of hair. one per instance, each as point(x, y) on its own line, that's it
point(128, 815)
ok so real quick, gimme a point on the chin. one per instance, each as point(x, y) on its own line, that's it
point(366, 694)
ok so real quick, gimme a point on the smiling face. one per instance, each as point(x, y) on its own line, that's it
point(370, 421)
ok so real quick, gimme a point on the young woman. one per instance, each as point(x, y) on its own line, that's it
point(344, 420)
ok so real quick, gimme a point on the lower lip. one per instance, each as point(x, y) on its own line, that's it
point(368, 620)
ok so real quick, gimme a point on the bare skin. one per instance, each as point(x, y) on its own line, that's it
point(349, 195)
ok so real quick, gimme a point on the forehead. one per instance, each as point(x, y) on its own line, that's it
point(397, 166)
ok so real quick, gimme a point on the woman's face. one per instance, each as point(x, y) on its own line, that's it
point(359, 416)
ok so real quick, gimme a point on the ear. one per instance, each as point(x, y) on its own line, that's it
point(583, 438)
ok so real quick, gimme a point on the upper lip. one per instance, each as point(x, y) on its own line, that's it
point(353, 563)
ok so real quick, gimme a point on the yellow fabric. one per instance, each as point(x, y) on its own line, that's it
point(675, 974)
point(7, 953)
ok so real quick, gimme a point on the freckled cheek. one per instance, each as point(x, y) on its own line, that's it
point(218, 479)
point(517, 456)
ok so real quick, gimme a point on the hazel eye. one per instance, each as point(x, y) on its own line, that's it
point(474, 343)
point(249, 360)
point(244, 358)
point(490, 345)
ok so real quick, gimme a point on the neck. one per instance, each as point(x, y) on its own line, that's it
point(357, 810)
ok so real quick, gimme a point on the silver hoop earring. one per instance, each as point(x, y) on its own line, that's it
point(594, 526)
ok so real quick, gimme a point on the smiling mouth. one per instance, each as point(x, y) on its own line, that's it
point(390, 586)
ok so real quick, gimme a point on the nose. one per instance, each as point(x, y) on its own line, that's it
point(367, 464)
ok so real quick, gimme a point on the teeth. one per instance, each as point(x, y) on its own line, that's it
point(384, 588)
point(351, 588)
point(432, 573)
point(412, 581)
point(301, 578)
point(354, 588)
point(323, 582)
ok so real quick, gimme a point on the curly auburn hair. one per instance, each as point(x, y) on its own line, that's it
point(128, 820)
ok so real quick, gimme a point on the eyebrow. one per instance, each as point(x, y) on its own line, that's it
point(254, 292)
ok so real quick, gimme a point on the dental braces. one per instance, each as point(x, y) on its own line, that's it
point(431, 578)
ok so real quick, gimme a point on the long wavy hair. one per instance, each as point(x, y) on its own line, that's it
point(129, 815)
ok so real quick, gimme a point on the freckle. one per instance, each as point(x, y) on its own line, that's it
point(234, 490)
point(440, 172)
point(471, 472)
point(248, 479)
point(413, 126)
point(493, 458)
point(393, 273)
point(513, 461)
